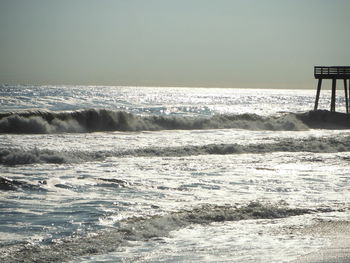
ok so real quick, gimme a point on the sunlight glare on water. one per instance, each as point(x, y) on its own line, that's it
point(137, 174)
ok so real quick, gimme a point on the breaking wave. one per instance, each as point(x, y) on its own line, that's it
point(106, 120)
point(142, 229)
point(17, 156)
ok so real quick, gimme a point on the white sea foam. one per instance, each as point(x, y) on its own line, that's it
point(137, 229)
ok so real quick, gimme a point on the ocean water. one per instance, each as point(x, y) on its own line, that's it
point(133, 174)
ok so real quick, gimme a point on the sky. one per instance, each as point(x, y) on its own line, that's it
point(195, 43)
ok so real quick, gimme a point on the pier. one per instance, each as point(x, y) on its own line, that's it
point(333, 73)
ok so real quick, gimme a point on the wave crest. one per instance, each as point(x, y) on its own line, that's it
point(106, 120)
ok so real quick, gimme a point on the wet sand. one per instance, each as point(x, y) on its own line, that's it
point(339, 249)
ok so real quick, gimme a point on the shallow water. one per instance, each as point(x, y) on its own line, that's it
point(235, 178)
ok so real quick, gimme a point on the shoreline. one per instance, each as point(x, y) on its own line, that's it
point(338, 233)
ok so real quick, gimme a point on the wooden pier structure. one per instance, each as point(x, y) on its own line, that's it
point(333, 73)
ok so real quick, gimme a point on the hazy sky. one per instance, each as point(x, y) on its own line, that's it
point(219, 43)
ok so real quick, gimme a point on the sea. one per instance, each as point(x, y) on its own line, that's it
point(167, 174)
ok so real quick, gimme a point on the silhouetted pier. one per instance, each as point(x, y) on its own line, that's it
point(333, 73)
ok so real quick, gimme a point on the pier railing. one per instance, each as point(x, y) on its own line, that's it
point(334, 72)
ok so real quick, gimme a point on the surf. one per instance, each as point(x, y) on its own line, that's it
point(19, 156)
